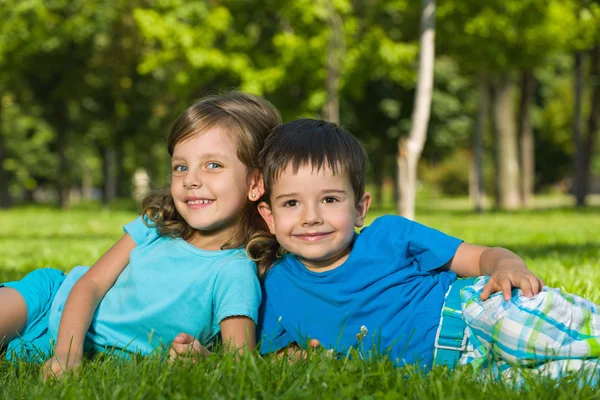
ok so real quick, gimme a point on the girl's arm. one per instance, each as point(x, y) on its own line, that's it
point(505, 268)
point(82, 303)
point(238, 334)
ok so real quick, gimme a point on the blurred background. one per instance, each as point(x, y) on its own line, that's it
point(89, 88)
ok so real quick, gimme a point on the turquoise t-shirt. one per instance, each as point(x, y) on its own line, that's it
point(385, 299)
point(168, 287)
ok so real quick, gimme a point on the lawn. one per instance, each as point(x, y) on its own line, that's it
point(561, 245)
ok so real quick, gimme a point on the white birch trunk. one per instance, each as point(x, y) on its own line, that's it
point(411, 147)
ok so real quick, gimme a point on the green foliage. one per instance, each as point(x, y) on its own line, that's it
point(112, 75)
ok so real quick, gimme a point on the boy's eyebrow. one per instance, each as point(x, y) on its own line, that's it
point(323, 192)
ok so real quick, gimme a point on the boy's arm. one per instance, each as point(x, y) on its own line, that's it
point(82, 303)
point(505, 268)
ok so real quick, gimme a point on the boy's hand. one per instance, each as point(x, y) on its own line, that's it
point(296, 353)
point(513, 274)
point(59, 364)
point(184, 345)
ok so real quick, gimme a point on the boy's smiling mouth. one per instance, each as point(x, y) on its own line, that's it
point(312, 237)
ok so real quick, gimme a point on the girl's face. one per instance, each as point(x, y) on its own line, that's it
point(210, 186)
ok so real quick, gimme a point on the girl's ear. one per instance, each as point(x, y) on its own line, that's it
point(361, 210)
point(265, 212)
point(256, 187)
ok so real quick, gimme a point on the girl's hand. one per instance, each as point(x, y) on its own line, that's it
point(513, 275)
point(59, 364)
point(185, 345)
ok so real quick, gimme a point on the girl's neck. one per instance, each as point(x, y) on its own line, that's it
point(210, 240)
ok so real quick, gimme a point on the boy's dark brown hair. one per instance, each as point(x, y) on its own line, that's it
point(317, 143)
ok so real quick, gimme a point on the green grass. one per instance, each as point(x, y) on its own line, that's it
point(561, 245)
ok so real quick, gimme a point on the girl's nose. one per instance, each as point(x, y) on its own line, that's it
point(192, 180)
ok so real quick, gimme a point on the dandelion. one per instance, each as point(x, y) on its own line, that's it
point(362, 333)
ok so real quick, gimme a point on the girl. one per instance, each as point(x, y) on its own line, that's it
point(179, 267)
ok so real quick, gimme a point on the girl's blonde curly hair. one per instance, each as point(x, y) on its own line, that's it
point(248, 120)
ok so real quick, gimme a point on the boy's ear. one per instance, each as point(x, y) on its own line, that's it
point(256, 186)
point(361, 210)
point(265, 212)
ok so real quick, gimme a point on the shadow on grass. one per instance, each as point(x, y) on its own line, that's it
point(58, 236)
point(559, 250)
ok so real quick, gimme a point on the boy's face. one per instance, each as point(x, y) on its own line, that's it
point(313, 215)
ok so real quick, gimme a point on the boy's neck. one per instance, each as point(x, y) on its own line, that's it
point(328, 264)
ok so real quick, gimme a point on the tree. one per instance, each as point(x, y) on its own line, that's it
point(409, 149)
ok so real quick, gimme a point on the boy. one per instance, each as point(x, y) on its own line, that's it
point(383, 291)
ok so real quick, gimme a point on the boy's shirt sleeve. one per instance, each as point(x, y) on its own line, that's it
point(271, 333)
point(237, 291)
point(139, 231)
point(431, 248)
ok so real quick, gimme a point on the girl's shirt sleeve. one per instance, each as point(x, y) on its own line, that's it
point(237, 291)
point(431, 248)
point(139, 231)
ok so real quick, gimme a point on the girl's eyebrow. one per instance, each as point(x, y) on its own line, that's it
point(205, 156)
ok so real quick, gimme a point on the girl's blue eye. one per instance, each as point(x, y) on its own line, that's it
point(290, 203)
point(180, 168)
point(213, 165)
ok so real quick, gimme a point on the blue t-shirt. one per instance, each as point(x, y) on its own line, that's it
point(390, 284)
point(168, 287)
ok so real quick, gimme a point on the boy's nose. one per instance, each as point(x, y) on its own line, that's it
point(311, 216)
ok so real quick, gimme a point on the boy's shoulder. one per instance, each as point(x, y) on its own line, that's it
point(387, 223)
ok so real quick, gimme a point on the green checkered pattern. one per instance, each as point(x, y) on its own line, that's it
point(551, 333)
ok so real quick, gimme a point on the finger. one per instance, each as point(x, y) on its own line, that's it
point(184, 338)
point(525, 286)
point(488, 289)
point(535, 285)
point(314, 343)
point(199, 349)
point(180, 348)
point(506, 287)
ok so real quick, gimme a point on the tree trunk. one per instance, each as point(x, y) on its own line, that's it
point(411, 147)
point(5, 200)
point(108, 169)
point(507, 159)
point(378, 163)
point(87, 184)
point(335, 59)
point(61, 148)
point(476, 187)
point(579, 160)
point(590, 142)
point(527, 139)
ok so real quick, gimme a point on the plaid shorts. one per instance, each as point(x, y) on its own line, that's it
point(552, 333)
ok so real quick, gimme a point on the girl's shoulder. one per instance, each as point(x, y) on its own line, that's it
point(141, 230)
